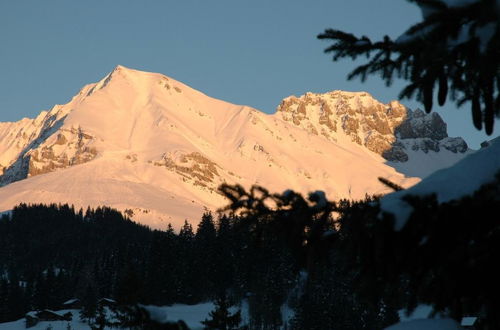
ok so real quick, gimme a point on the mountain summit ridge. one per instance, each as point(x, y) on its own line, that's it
point(386, 129)
point(145, 142)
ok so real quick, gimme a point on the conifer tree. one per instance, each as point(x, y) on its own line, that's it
point(15, 297)
point(157, 270)
point(456, 48)
point(89, 305)
point(205, 256)
point(4, 310)
point(225, 254)
point(130, 287)
point(187, 279)
point(221, 318)
point(206, 232)
point(186, 233)
point(100, 318)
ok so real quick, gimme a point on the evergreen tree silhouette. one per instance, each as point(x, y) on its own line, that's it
point(221, 318)
point(434, 53)
point(89, 305)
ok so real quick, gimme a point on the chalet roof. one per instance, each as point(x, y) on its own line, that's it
point(468, 321)
point(71, 301)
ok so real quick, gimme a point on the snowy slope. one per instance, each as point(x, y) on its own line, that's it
point(145, 142)
point(193, 315)
point(427, 324)
point(461, 179)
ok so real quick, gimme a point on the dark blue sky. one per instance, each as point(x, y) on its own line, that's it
point(246, 52)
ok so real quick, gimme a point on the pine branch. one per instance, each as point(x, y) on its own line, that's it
point(430, 54)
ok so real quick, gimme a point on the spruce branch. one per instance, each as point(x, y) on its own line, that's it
point(444, 55)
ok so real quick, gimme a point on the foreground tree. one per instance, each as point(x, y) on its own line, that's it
point(309, 274)
point(456, 47)
point(221, 318)
point(444, 255)
point(89, 305)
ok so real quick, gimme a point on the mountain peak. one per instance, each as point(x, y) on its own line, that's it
point(142, 141)
point(125, 71)
point(123, 78)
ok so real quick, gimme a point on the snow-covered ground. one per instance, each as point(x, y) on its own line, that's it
point(191, 314)
point(422, 164)
point(451, 183)
point(426, 324)
point(75, 323)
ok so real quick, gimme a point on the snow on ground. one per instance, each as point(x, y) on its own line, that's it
point(451, 183)
point(426, 324)
point(424, 312)
point(75, 324)
point(421, 312)
point(423, 164)
point(193, 315)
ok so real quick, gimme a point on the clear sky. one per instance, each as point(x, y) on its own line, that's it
point(246, 52)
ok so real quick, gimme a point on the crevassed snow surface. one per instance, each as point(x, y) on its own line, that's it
point(451, 183)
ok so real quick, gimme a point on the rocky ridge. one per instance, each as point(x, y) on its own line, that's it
point(389, 130)
point(42, 146)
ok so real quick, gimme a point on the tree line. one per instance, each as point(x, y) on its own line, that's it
point(296, 262)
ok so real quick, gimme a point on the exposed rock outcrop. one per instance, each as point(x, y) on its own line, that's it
point(192, 166)
point(49, 152)
point(390, 130)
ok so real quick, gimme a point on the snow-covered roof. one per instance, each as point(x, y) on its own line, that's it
point(71, 301)
point(50, 311)
point(31, 314)
point(468, 321)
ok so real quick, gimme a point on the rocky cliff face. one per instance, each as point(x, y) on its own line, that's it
point(390, 130)
point(193, 167)
point(42, 145)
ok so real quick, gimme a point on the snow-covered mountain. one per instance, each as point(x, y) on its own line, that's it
point(451, 183)
point(148, 144)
